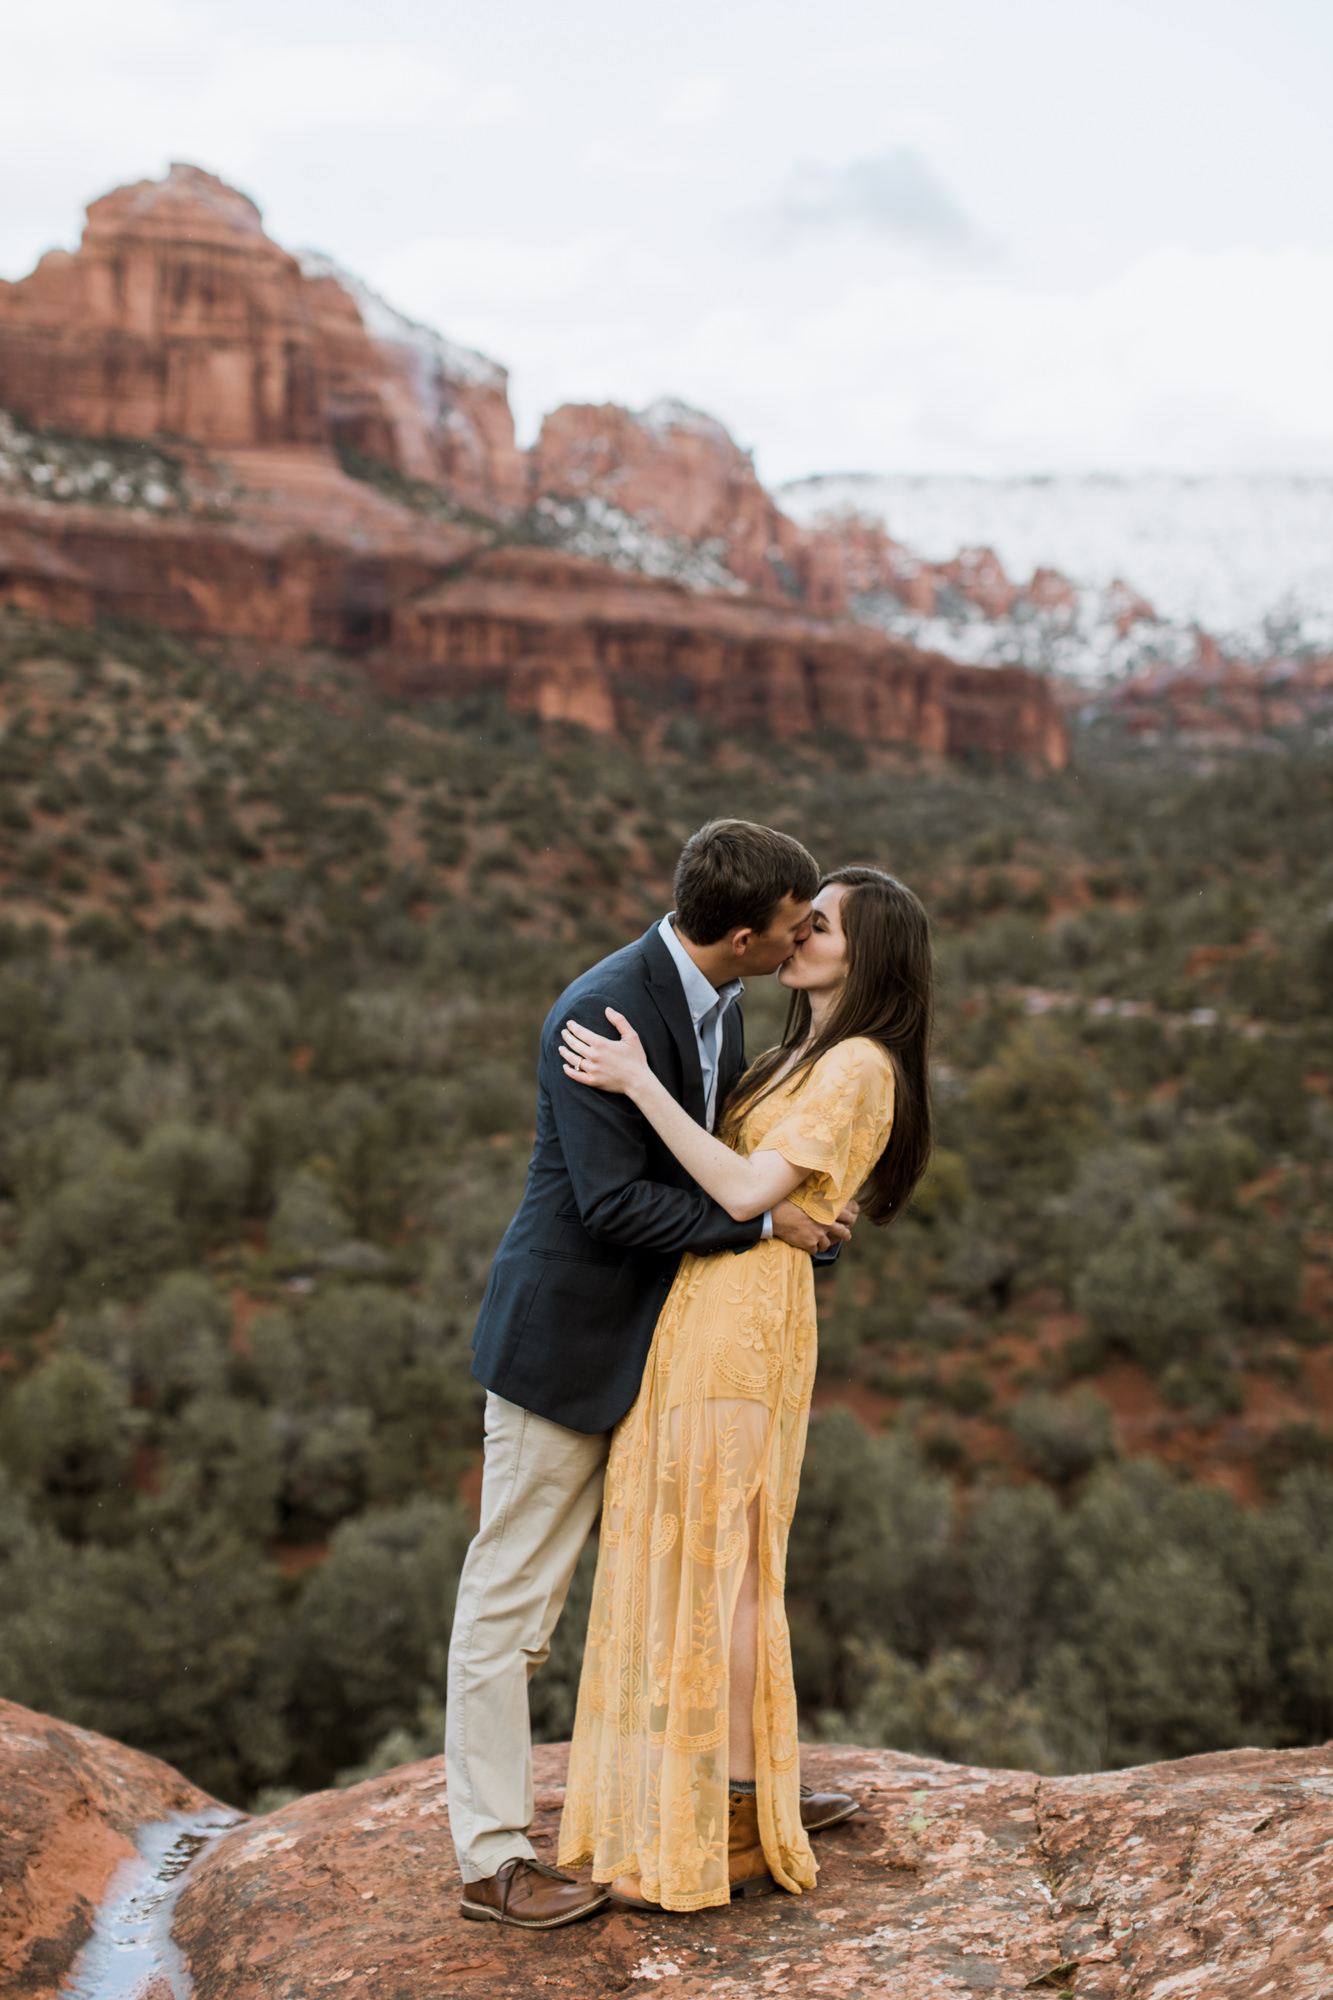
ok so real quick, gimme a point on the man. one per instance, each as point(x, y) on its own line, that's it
point(568, 1317)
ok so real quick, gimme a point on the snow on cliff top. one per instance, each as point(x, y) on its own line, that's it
point(384, 322)
point(1249, 557)
point(669, 414)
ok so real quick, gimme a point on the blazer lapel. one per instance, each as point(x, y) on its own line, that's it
point(668, 997)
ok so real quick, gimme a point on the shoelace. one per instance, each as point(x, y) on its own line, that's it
point(508, 1873)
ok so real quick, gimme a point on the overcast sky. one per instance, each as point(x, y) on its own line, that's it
point(1050, 234)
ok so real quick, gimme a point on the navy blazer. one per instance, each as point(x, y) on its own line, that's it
point(583, 1268)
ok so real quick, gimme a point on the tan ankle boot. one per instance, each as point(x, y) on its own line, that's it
point(746, 1865)
point(628, 1891)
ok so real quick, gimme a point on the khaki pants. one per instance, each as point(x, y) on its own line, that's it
point(540, 1491)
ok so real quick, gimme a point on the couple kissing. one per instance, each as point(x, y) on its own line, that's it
point(647, 1343)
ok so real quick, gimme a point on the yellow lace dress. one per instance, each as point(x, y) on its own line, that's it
point(719, 1422)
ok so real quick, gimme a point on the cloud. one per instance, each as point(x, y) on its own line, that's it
point(1183, 360)
point(127, 90)
point(896, 195)
point(609, 232)
point(1180, 361)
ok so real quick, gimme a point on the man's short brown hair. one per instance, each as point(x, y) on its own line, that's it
point(734, 874)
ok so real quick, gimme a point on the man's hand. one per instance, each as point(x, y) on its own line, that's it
point(794, 1226)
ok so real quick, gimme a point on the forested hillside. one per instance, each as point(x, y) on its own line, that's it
point(273, 955)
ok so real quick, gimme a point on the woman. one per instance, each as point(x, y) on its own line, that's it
point(684, 1776)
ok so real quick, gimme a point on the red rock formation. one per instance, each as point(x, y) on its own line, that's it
point(676, 470)
point(310, 555)
point(1208, 1878)
point(437, 412)
point(178, 315)
point(35, 577)
point(853, 556)
point(978, 575)
point(1049, 591)
point(1127, 608)
point(579, 642)
point(1217, 702)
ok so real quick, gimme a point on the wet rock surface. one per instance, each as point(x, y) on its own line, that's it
point(72, 1806)
point(1210, 1877)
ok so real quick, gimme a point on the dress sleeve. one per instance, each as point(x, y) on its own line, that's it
point(837, 1126)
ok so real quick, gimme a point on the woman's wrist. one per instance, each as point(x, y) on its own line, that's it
point(641, 1088)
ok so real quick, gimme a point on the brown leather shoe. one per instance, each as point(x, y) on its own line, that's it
point(531, 1896)
point(821, 1809)
point(747, 1866)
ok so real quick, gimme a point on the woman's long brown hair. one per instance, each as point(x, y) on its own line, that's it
point(888, 998)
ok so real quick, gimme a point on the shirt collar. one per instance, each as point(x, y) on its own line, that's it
point(701, 996)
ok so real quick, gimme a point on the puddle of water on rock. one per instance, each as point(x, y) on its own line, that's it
point(131, 1947)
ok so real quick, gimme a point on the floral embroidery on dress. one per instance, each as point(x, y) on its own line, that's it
point(718, 1429)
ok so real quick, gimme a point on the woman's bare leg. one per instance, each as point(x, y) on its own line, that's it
point(743, 1664)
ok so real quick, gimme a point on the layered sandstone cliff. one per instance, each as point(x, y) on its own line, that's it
point(676, 470)
point(579, 643)
point(1216, 703)
point(176, 315)
point(436, 411)
point(250, 381)
point(1211, 1879)
point(179, 316)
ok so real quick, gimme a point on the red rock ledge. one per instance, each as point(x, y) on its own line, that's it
point(1191, 1881)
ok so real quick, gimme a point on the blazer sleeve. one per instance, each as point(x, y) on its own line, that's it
point(605, 1141)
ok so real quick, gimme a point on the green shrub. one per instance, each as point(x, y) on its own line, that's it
point(202, 1173)
point(104, 1234)
point(325, 1468)
point(1265, 1275)
point(1293, 1447)
point(1012, 1557)
point(1214, 1164)
point(969, 1392)
point(25, 1028)
point(1027, 1118)
point(1141, 1294)
point(869, 1553)
point(1151, 1604)
point(946, 1708)
point(222, 1457)
point(277, 1359)
point(944, 1189)
point(307, 1222)
point(1063, 1437)
point(370, 1633)
point(178, 1343)
point(166, 1643)
point(1205, 1387)
point(67, 1435)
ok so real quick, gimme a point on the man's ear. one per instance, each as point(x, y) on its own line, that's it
point(740, 940)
